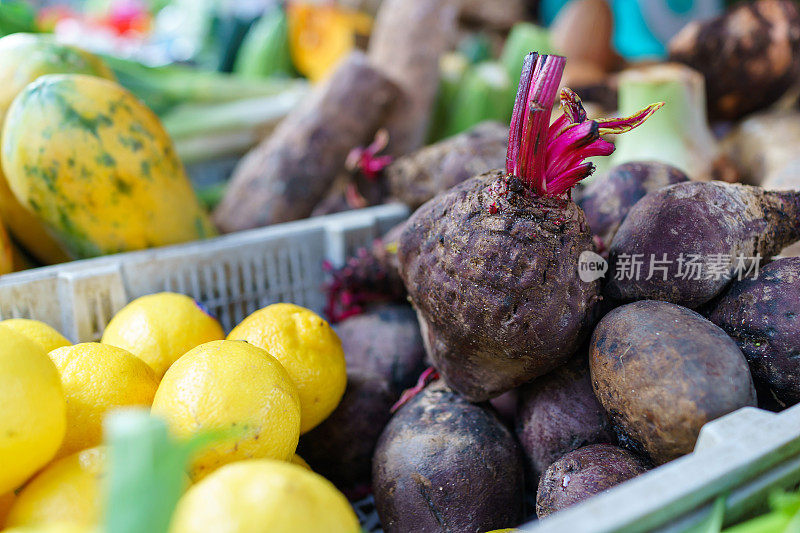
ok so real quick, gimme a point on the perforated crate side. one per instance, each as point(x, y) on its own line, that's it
point(32, 297)
point(234, 277)
point(347, 232)
point(89, 298)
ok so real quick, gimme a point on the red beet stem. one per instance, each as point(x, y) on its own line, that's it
point(430, 374)
point(530, 121)
point(549, 158)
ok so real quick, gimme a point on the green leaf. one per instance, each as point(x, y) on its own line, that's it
point(16, 17)
point(147, 471)
point(713, 522)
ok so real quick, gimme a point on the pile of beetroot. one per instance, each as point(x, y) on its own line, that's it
point(540, 381)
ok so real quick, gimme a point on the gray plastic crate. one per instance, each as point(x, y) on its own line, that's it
point(232, 275)
point(744, 454)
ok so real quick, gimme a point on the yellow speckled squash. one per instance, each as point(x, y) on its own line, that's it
point(96, 165)
point(23, 58)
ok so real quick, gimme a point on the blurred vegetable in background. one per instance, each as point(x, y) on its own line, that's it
point(17, 17)
point(265, 49)
point(163, 88)
point(321, 35)
point(481, 97)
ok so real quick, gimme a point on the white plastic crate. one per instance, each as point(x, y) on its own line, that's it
point(744, 454)
point(232, 275)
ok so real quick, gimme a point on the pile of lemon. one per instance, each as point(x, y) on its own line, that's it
point(277, 375)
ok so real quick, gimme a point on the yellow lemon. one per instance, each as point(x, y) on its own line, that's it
point(96, 379)
point(296, 459)
point(236, 387)
point(32, 409)
point(264, 495)
point(39, 332)
point(6, 501)
point(308, 349)
point(69, 490)
point(160, 328)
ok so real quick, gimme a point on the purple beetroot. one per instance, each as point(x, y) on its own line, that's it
point(491, 265)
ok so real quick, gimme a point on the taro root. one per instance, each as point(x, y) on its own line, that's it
point(492, 14)
point(444, 464)
point(416, 178)
point(690, 239)
point(288, 174)
point(408, 40)
point(749, 56)
point(661, 371)
point(582, 31)
point(558, 413)
point(341, 448)
point(607, 200)
point(385, 340)
point(762, 314)
point(583, 473)
point(490, 265)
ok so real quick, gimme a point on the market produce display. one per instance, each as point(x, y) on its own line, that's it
point(232, 393)
point(569, 303)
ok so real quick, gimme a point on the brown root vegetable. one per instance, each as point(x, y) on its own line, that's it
point(661, 371)
point(762, 314)
point(582, 32)
point(583, 473)
point(287, 175)
point(558, 413)
point(416, 178)
point(369, 277)
point(696, 236)
point(607, 200)
point(444, 464)
point(749, 56)
point(350, 192)
point(490, 265)
point(385, 340)
point(341, 448)
point(492, 14)
point(408, 40)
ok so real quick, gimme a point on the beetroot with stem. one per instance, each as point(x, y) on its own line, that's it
point(491, 265)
